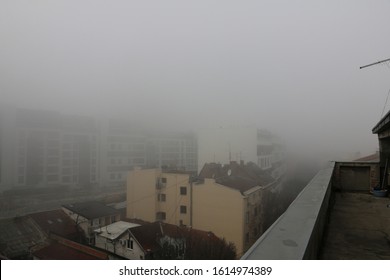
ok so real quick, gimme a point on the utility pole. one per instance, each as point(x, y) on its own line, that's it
point(371, 64)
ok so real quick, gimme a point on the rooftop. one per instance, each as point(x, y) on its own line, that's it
point(57, 251)
point(238, 176)
point(359, 228)
point(115, 230)
point(332, 218)
point(18, 236)
point(91, 209)
point(370, 158)
point(56, 221)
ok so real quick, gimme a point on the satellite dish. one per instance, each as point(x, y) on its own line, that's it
point(229, 172)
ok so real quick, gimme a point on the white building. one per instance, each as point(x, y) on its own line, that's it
point(116, 238)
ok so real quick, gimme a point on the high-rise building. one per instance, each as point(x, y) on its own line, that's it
point(44, 148)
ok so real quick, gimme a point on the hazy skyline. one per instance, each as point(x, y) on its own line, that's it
point(288, 66)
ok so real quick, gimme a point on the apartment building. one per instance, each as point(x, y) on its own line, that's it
point(224, 199)
point(123, 146)
point(156, 195)
point(174, 151)
point(248, 144)
point(44, 148)
point(229, 200)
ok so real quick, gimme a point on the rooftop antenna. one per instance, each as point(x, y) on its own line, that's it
point(388, 93)
point(230, 154)
point(375, 63)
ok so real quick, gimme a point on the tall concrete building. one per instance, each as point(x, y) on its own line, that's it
point(173, 151)
point(44, 148)
point(123, 147)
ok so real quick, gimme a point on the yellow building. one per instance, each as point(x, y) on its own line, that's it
point(226, 200)
point(153, 195)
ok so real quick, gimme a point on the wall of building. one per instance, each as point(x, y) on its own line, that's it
point(121, 246)
point(221, 210)
point(141, 194)
point(356, 176)
point(155, 195)
point(176, 206)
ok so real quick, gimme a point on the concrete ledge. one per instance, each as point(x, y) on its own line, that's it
point(297, 234)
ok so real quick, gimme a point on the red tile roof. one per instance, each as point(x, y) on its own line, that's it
point(56, 221)
point(57, 251)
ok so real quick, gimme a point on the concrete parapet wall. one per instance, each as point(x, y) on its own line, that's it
point(297, 234)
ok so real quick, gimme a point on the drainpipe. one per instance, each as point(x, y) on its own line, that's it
point(191, 202)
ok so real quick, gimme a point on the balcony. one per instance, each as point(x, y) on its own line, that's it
point(334, 217)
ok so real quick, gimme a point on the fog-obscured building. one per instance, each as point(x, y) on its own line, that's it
point(44, 148)
point(123, 147)
point(177, 151)
point(247, 144)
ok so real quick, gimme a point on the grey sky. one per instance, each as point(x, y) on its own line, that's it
point(289, 66)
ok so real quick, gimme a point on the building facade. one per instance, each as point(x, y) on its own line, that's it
point(227, 200)
point(90, 216)
point(44, 148)
point(154, 195)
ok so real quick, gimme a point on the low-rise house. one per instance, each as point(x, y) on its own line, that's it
point(90, 216)
point(18, 236)
point(165, 241)
point(117, 239)
point(59, 223)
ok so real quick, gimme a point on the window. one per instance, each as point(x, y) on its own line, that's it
point(130, 244)
point(183, 209)
point(164, 180)
point(160, 216)
point(161, 197)
point(183, 190)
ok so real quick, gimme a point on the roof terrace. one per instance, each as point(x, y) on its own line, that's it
point(334, 217)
